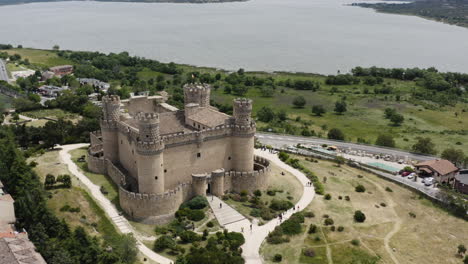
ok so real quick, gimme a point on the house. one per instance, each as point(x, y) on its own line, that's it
point(62, 70)
point(443, 171)
point(50, 90)
point(47, 75)
point(94, 83)
point(461, 181)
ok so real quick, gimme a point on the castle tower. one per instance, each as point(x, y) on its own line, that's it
point(197, 93)
point(199, 184)
point(150, 154)
point(243, 136)
point(217, 182)
point(110, 116)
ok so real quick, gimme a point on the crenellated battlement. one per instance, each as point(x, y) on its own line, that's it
point(197, 93)
point(111, 99)
point(147, 117)
point(207, 134)
point(243, 103)
point(155, 197)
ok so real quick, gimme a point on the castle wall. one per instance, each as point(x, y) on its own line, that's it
point(181, 161)
point(250, 181)
point(127, 154)
point(154, 208)
point(141, 104)
point(97, 165)
point(94, 138)
point(115, 174)
point(243, 147)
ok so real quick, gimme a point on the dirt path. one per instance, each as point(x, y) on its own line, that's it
point(396, 226)
point(327, 246)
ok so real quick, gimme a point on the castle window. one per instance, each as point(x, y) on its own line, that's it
point(165, 170)
point(194, 124)
point(133, 152)
point(121, 142)
point(155, 177)
point(229, 158)
point(198, 155)
point(147, 136)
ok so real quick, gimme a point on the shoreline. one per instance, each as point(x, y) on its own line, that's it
point(127, 1)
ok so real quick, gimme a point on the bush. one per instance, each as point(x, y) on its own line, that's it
point(347, 198)
point(65, 208)
point(309, 252)
point(236, 197)
point(383, 204)
point(309, 214)
point(244, 193)
point(329, 221)
point(340, 229)
point(355, 242)
point(161, 230)
point(194, 215)
point(359, 216)
point(257, 193)
point(198, 202)
point(317, 238)
point(327, 196)
point(255, 212)
point(332, 228)
point(277, 258)
point(292, 226)
point(164, 242)
point(312, 229)
point(360, 188)
point(189, 237)
point(209, 224)
point(283, 156)
point(266, 214)
point(271, 192)
point(413, 215)
point(278, 205)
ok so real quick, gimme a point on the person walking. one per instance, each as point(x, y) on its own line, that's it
point(242, 229)
point(220, 205)
point(250, 227)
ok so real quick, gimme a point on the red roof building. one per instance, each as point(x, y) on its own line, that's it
point(442, 170)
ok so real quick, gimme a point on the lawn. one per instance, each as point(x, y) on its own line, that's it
point(41, 58)
point(386, 212)
point(51, 113)
point(286, 185)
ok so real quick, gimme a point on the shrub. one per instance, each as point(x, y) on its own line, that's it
point(198, 202)
point(360, 188)
point(413, 215)
point(325, 216)
point(255, 212)
point(340, 229)
point(309, 252)
point(196, 215)
point(292, 226)
point(235, 197)
point(355, 242)
point(317, 238)
point(244, 193)
point(189, 237)
point(65, 208)
point(327, 196)
point(329, 221)
point(277, 258)
point(312, 229)
point(309, 214)
point(209, 224)
point(340, 197)
point(383, 204)
point(283, 156)
point(266, 214)
point(388, 189)
point(164, 242)
point(359, 216)
point(161, 230)
point(332, 228)
point(279, 205)
point(271, 192)
point(257, 193)
point(347, 198)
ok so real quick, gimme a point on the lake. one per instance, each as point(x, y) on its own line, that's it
point(320, 36)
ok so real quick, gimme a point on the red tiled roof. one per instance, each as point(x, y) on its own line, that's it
point(442, 167)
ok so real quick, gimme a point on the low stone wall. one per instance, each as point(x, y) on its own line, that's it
point(249, 181)
point(94, 138)
point(97, 165)
point(115, 174)
point(154, 208)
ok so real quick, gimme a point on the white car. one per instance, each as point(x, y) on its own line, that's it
point(411, 176)
point(428, 181)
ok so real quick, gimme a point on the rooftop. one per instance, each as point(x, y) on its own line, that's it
point(441, 166)
point(209, 117)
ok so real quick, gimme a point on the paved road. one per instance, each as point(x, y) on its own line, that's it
point(94, 190)
point(3, 72)
point(282, 140)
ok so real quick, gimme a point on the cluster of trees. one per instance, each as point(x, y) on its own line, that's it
point(395, 118)
point(64, 180)
point(53, 238)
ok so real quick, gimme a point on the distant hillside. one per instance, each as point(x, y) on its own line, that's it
point(453, 12)
point(16, 2)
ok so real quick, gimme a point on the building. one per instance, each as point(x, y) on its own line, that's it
point(50, 90)
point(47, 75)
point(161, 156)
point(7, 209)
point(15, 247)
point(62, 70)
point(103, 86)
point(442, 170)
point(461, 181)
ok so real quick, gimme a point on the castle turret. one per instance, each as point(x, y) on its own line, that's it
point(199, 184)
point(197, 93)
point(150, 154)
point(110, 116)
point(243, 136)
point(217, 182)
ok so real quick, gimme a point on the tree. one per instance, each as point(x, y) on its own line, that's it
point(456, 156)
point(465, 260)
point(265, 114)
point(389, 112)
point(385, 140)
point(360, 188)
point(299, 102)
point(318, 110)
point(340, 107)
point(49, 181)
point(56, 47)
point(461, 249)
point(282, 115)
point(424, 146)
point(267, 92)
point(359, 216)
point(335, 133)
point(397, 119)
point(65, 179)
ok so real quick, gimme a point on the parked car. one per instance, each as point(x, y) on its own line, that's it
point(405, 173)
point(428, 181)
point(411, 176)
point(400, 161)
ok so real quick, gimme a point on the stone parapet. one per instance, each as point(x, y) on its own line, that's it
point(195, 136)
point(97, 164)
point(95, 137)
point(250, 181)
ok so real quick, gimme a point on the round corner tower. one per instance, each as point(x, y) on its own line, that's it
point(197, 93)
point(150, 154)
point(243, 135)
point(110, 117)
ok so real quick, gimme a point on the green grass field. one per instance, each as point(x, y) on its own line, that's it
point(387, 219)
point(40, 58)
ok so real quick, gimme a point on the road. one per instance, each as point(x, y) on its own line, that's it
point(3, 71)
point(282, 140)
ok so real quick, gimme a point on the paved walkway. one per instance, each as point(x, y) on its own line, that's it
point(94, 190)
point(255, 237)
point(225, 214)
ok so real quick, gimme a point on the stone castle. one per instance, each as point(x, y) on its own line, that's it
point(160, 156)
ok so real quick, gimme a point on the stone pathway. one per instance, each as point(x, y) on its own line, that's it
point(225, 214)
point(94, 190)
